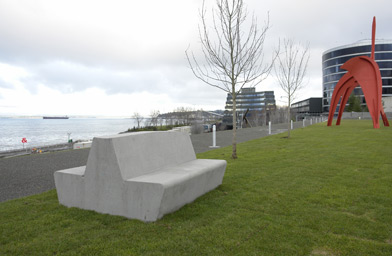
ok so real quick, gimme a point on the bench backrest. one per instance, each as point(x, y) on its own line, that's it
point(136, 154)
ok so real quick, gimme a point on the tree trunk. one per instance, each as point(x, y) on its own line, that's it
point(234, 153)
point(288, 119)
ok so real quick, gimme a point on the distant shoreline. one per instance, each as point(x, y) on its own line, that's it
point(41, 133)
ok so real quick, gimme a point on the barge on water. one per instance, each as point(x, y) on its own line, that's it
point(55, 117)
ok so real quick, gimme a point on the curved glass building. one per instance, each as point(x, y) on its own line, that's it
point(334, 58)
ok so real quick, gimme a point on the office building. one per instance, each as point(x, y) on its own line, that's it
point(255, 106)
point(308, 107)
point(334, 58)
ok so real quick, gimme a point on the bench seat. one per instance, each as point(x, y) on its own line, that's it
point(108, 183)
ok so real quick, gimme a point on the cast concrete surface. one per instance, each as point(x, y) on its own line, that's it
point(33, 174)
point(142, 176)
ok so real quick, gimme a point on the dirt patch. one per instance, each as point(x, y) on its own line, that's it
point(321, 252)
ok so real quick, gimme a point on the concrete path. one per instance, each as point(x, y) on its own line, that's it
point(33, 174)
point(201, 142)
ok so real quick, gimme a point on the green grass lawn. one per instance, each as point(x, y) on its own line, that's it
point(325, 191)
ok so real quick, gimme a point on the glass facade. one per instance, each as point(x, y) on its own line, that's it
point(333, 59)
point(308, 107)
point(249, 99)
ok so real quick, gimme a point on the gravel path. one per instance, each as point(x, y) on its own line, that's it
point(33, 174)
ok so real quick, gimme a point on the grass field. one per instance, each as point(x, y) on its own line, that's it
point(325, 191)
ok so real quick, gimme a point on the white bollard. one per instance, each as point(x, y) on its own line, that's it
point(311, 119)
point(214, 137)
point(269, 127)
point(303, 122)
point(291, 124)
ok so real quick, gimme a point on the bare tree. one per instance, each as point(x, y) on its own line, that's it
point(290, 71)
point(184, 115)
point(278, 115)
point(235, 58)
point(138, 118)
point(154, 117)
point(160, 120)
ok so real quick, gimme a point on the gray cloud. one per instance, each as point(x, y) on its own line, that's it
point(4, 84)
point(73, 77)
point(121, 35)
point(326, 25)
point(128, 48)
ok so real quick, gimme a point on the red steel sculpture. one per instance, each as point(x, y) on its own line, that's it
point(362, 71)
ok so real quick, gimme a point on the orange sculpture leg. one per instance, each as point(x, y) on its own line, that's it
point(366, 72)
point(343, 102)
point(384, 118)
point(341, 88)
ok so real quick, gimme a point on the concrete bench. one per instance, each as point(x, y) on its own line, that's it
point(140, 175)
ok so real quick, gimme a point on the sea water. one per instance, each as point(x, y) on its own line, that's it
point(44, 132)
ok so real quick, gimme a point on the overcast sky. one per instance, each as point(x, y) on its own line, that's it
point(118, 57)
